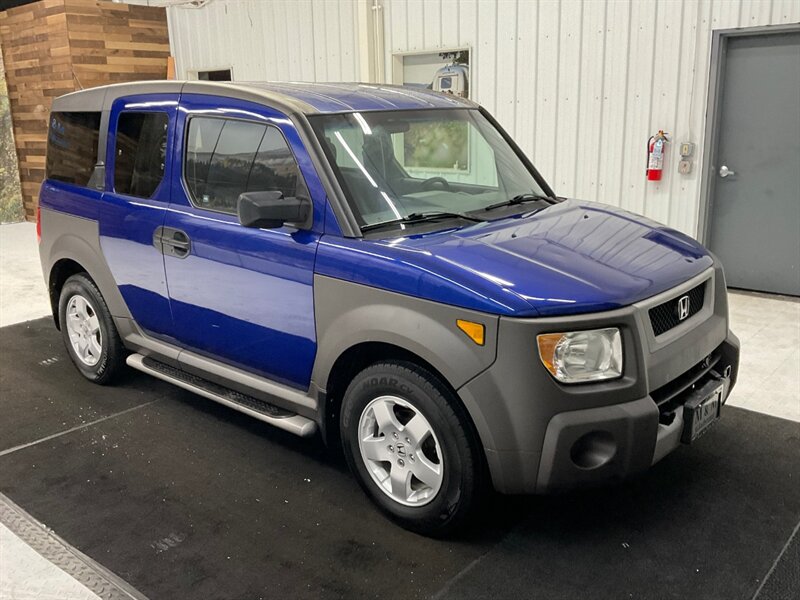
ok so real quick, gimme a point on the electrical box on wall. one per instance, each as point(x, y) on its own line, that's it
point(686, 150)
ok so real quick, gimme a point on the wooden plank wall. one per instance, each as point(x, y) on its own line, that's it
point(54, 47)
point(37, 60)
point(111, 42)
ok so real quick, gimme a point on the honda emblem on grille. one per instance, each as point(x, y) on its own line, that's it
point(683, 308)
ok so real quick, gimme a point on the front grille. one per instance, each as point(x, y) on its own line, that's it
point(665, 316)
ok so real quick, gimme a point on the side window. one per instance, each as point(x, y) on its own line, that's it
point(72, 146)
point(219, 155)
point(200, 144)
point(230, 165)
point(140, 153)
point(274, 168)
point(225, 158)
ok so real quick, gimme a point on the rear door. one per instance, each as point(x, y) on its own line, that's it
point(140, 136)
point(240, 295)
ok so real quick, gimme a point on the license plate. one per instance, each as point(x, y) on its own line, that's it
point(699, 416)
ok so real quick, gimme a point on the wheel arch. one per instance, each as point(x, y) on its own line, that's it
point(350, 363)
point(63, 269)
point(69, 243)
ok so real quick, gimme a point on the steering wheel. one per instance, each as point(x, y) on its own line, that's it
point(428, 184)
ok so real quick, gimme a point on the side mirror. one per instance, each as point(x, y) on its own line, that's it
point(270, 210)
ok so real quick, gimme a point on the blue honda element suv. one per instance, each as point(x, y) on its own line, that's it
point(383, 267)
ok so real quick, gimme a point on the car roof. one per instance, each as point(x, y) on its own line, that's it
point(350, 97)
point(305, 98)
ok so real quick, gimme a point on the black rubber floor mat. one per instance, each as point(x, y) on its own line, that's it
point(39, 386)
point(184, 498)
point(783, 582)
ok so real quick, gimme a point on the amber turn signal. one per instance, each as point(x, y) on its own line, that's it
point(475, 331)
point(547, 348)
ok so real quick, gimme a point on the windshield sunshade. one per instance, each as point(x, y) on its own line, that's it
point(396, 164)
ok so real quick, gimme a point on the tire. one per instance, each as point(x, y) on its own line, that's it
point(386, 451)
point(88, 330)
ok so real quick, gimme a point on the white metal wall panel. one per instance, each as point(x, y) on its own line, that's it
point(590, 106)
point(300, 40)
point(582, 85)
point(543, 82)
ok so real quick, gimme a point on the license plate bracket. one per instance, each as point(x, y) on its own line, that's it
point(702, 410)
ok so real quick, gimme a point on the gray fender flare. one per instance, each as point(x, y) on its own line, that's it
point(349, 314)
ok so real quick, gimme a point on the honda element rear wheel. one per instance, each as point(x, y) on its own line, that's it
point(88, 330)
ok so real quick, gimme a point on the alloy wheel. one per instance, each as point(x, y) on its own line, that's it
point(400, 450)
point(83, 328)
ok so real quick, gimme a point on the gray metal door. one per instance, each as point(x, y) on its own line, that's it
point(755, 212)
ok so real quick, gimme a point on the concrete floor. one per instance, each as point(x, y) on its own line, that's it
point(769, 381)
point(23, 295)
point(769, 373)
point(26, 574)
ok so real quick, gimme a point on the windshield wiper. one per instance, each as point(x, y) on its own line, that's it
point(519, 199)
point(422, 217)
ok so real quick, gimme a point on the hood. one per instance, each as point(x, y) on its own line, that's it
point(572, 257)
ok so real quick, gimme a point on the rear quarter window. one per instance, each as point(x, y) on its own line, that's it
point(72, 146)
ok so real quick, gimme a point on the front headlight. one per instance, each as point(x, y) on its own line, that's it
point(579, 356)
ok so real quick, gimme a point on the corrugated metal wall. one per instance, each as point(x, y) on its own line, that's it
point(580, 85)
point(299, 40)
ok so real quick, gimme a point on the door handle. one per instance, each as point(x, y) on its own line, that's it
point(180, 244)
point(724, 171)
point(172, 242)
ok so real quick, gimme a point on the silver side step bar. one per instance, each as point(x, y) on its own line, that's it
point(296, 424)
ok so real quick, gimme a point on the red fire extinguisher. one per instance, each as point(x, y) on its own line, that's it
point(656, 146)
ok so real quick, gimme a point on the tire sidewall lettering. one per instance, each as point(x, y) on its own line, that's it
point(388, 382)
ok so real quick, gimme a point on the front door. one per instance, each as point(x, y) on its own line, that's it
point(240, 295)
point(755, 215)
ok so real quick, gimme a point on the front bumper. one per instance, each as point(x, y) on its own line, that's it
point(615, 442)
point(540, 436)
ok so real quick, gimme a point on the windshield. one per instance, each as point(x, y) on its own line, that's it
point(396, 164)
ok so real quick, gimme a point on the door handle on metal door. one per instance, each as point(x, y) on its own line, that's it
point(724, 171)
point(172, 242)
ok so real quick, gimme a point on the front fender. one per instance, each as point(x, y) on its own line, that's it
point(348, 314)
